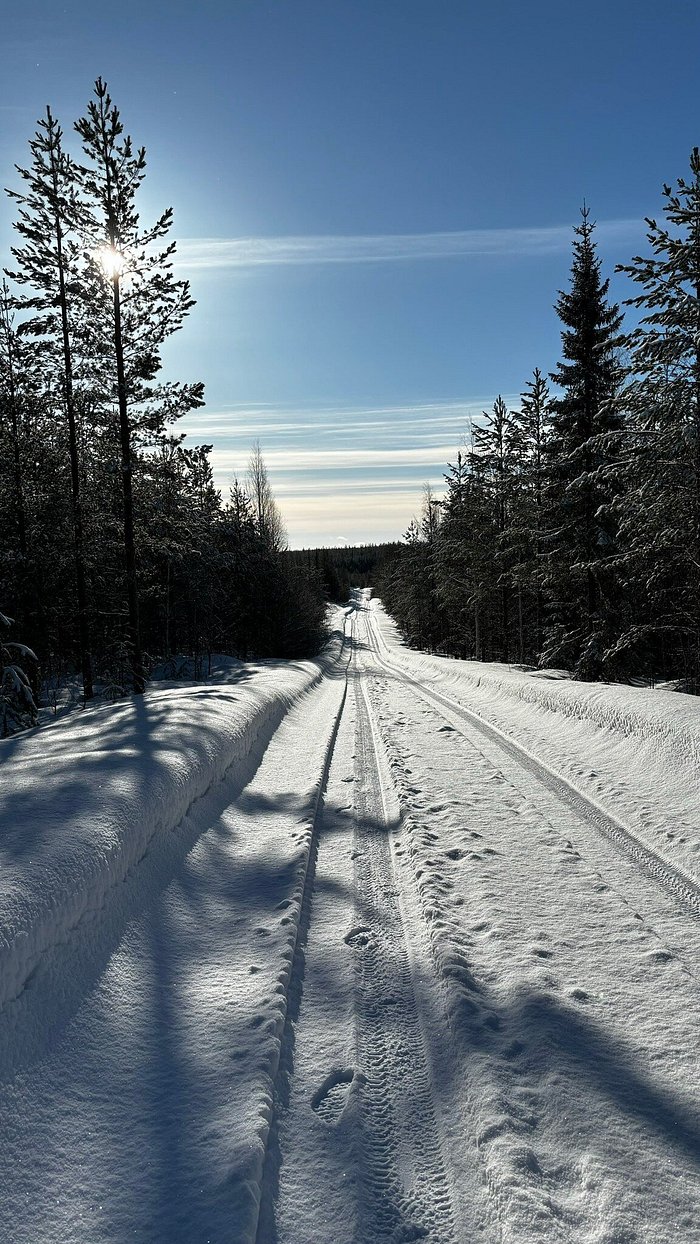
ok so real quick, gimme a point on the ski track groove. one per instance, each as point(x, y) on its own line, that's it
point(389, 1038)
point(279, 1099)
point(679, 884)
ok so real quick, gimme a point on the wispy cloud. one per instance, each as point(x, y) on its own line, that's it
point(292, 461)
point(247, 252)
point(421, 421)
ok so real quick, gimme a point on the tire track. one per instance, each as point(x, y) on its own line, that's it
point(512, 1198)
point(512, 940)
point(406, 1186)
point(674, 880)
point(404, 1190)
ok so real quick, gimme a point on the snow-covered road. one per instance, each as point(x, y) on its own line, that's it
point(373, 949)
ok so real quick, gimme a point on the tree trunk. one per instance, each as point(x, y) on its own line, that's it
point(505, 621)
point(129, 543)
point(76, 507)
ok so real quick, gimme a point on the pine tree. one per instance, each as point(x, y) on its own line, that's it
point(528, 445)
point(660, 509)
point(48, 262)
point(36, 566)
point(580, 536)
point(11, 384)
point(143, 306)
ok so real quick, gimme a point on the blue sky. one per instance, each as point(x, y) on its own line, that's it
point(373, 203)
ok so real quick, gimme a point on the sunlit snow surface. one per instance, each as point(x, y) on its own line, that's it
point(154, 857)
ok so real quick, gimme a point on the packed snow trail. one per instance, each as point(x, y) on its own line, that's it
point(358, 1092)
point(345, 952)
point(577, 1016)
point(137, 1058)
point(562, 988)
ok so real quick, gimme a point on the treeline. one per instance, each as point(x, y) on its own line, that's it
point(340, 569)
point(569, 532)
point(115, 548)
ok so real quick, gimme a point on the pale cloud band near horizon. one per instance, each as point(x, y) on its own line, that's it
point(247, 252)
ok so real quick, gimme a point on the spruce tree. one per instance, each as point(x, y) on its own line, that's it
point(529, 434)
point(660, 509)
point(466, 563)
point(411, 583)
point(491, 461)
point(580, 538)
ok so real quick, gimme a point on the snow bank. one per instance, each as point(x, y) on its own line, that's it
point(634, 749)
point(81, 800)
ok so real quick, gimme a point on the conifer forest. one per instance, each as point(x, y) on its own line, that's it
point(350, 860)
point(568, 534)
point(116, 550)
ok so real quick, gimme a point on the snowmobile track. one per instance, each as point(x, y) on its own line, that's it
point(406, 1188)
point(681, 885)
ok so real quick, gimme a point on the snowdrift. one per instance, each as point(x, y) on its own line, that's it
point(81, 800)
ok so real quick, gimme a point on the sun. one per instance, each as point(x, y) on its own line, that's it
point(111, 261)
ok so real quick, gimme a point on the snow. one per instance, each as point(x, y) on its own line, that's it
point(145, 960)
point(87, 797)
point(341, 950)
point(636, 749)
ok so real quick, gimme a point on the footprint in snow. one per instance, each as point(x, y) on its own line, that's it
point(330, 1098)
point(526, 1160)
point(359, 936)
